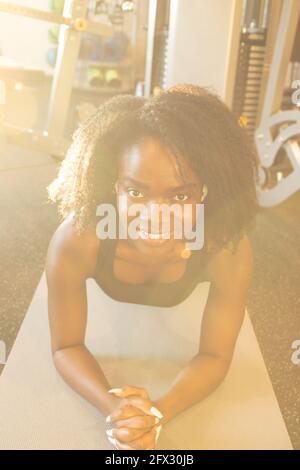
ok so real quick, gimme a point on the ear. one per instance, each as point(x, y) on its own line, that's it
point(204, 193)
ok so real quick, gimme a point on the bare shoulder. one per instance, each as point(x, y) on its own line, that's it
point(231, 270)
point(69, 250)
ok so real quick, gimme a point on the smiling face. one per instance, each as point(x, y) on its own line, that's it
point(149, 175)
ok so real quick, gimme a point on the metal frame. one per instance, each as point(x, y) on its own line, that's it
point(273, 119)
point(152, 15)
point(73, 22)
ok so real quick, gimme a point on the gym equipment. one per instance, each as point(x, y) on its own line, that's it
point(112, 78)
point(104, 49)
point(276, 131)
point(188, 30)
point(143, 346)
point(116, 15)
point(95, 76)
point(73, 22)
point(102, 77)
point(249, 76)
point(114, 48)
point(279, 130)
point(91, 47)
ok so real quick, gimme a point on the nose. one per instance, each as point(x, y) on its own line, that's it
point(153, 216)
point(152, 209)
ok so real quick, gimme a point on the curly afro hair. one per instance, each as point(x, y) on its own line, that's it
point(194, 124)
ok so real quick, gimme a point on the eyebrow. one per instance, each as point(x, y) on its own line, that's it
point(145, 186)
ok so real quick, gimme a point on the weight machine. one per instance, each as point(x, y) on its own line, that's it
point(279, 130)
point(73, 23)
point(251, 48)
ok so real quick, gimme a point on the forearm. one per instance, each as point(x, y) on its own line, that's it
point(200, 377)
point(81, 371)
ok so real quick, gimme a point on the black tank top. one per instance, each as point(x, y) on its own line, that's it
point(155, 294)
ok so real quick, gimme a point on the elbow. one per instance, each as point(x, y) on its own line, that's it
point(56, 358)
point(58, 354)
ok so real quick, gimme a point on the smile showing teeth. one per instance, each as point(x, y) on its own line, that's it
point(154, 236)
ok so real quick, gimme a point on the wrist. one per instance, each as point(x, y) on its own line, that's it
point(164, 407)
point(111, 404)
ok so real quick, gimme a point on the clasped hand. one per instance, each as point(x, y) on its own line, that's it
point(135, 419)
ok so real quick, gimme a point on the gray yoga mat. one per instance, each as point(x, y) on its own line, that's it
point(142, 346)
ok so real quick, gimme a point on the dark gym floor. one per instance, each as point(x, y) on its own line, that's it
point(27, 223)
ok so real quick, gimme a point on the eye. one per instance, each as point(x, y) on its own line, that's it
point(181, 198)
point(135, 193)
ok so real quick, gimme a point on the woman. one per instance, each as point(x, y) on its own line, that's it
point(182, 146)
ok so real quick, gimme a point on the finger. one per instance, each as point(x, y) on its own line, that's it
point(128, 390)
point(119, 445)
point(125, 434)
point(131, 406)
point(147, 440)
point(137, 422)
point(124, 411)
point(145, 405)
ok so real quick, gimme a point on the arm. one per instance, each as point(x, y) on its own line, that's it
point(68, 265)
point(224, 313)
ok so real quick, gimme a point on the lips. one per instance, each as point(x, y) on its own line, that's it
point(155, 236)
point(155, 239)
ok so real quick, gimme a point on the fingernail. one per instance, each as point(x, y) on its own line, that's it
point(158, 429)
point(108, 419)
point(109, 432)
point(115, 390)
point(156, 412)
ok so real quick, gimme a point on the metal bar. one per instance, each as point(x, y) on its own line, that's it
point(232, 61)
point(150, 46)
point(281, 56)
point(34, 13)
point(79, 23)
point(68, 51)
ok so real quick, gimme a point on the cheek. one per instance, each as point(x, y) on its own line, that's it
point(188, 214)
point(123, 204)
